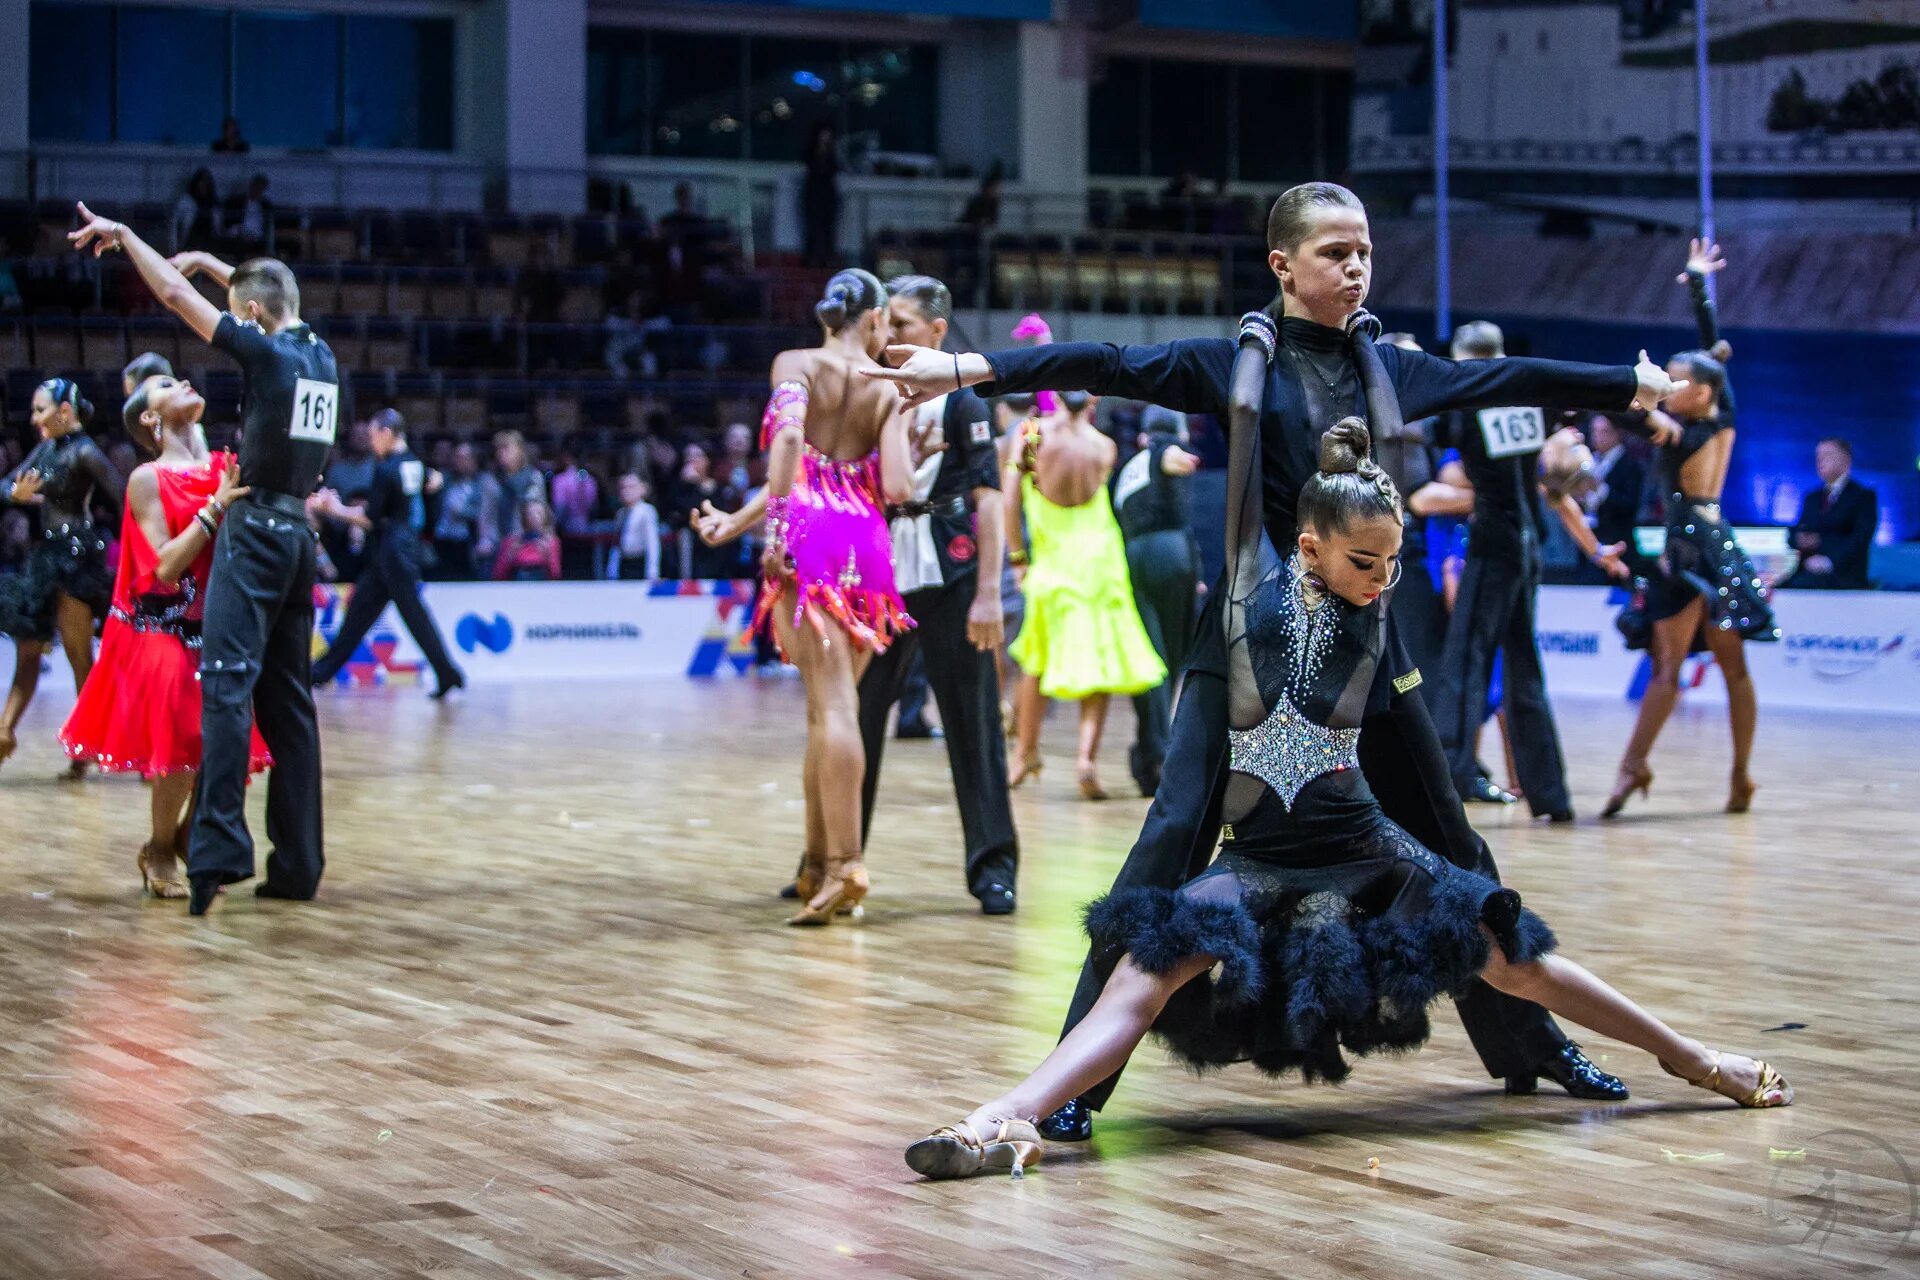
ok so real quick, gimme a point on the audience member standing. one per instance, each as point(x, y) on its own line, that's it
point(456, 530)
point(820, 197)
point(636, 548)
point(196, 214)
point(576, 499)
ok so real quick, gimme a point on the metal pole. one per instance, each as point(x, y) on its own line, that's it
point(1442, 233)
point(1705, 125)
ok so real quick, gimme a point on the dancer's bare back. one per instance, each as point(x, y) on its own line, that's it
point(1074, 462)
point(845, 412)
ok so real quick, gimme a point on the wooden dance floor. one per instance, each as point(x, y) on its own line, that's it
point(544, 1022)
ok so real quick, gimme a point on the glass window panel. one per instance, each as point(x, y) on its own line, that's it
point(70, 73)
point(1113, 119)
point(399, 83)
point(617, 91)
point(794, 86)
point(171, 67)
point(1276, 126)
point(1187, 120)
point(695, 85)
point(286, 78)
point(895, 96)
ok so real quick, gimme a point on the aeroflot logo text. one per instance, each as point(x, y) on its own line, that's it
point(1579, 644)
point(583, 631)
point(1817, 646)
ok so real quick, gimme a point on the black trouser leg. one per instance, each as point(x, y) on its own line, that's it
point(913, 686)
point(369, 599)
point(399, 568)
point(283, 703)
point(966, 686)
point(1401, 757)
point(879, 687)
point(1419, 610)
point(1536, 739)
point(1183, 823)
point(258, 623)
point(1164, 575)
point(1481, 611)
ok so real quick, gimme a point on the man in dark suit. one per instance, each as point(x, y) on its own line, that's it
point(1837, 520)
point(1620, 481)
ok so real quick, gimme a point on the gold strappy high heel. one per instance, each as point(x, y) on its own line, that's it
point(1089, 778)
point(1772, 1091)
point(1028, 769)
point(157, 872)
point(842, 888)
point(1634, 776)
point(957, 1151)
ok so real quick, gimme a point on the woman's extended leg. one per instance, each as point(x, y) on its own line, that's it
point(1567, 989)
point(830, 666)
point(1099, 1045)
point(1093, 722)
point(26, 679)
point(74, 621)
point(1029, 709)
point(159, 861)
point(1672, 637)
point(1743, 712)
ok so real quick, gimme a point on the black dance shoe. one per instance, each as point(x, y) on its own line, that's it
point(1556, 816)
point(268, 889)
point(916, 730)
point(201, 893)
point(1486, 791)
point(1073, 1122)
point(1573, 1071)
point(459, 681)
point(996, 899)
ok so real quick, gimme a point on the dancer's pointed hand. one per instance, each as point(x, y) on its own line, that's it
point(1655, 385)
point(96, 233)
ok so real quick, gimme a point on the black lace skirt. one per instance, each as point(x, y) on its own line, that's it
point(1315, 963)
point(1703, 560)
point(70, 559)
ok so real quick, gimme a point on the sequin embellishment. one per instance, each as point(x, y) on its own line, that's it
point(1287, 751)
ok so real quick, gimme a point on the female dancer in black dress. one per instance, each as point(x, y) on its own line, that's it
point(1332, 929)
point(1704, 590)
point(1326, 366)
point(67, 584)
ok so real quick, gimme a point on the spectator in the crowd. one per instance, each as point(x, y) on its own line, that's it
point(631, 317)
point(736, 459)
point(532, 554)
point(698, 484)
point(505, 489)
point(196, 214)
point(457, 544)
point(982, 212)
point(636, 546)
point(685, 218)
point(663, 466)
point(538, 290)
point(1612, 505)
point(231, 141)
point(820, 198)
point(1834, 534)
point(350, 474)
point(250, 216)
point(576, 499)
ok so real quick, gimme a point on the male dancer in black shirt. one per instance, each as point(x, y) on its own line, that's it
point(1153, 501)
point(254, 658)
point(1321, 252)
point(395, 515)
point(947, 547)
point(1495, 609)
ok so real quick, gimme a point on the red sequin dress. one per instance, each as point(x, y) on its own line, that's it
point(140, 708)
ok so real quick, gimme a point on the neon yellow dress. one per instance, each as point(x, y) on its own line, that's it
point(1082, 634)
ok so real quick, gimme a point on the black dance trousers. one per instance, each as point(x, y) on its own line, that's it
point(1419, 609)
point(913, 691)
point(1165, 568)
point(255, 658)
point(1495, 612)
point(966, 687)
point(392, 574)
point(1401, 757)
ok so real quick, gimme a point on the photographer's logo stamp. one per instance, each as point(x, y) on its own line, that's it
point(1846, 1196)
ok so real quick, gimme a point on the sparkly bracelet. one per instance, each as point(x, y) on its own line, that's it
point(206, 522)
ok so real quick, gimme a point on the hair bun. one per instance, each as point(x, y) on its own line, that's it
point(1346, 446)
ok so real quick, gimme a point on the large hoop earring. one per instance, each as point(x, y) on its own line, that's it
point(1399, 571)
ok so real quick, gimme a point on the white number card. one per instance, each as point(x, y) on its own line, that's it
point(1133, 477)
point(316, 410)
point(1511, 431)
point(413, 477)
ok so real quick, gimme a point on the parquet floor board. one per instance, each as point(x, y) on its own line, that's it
point(544, 1022)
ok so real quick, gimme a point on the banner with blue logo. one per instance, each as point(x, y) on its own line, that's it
point(559, 630)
